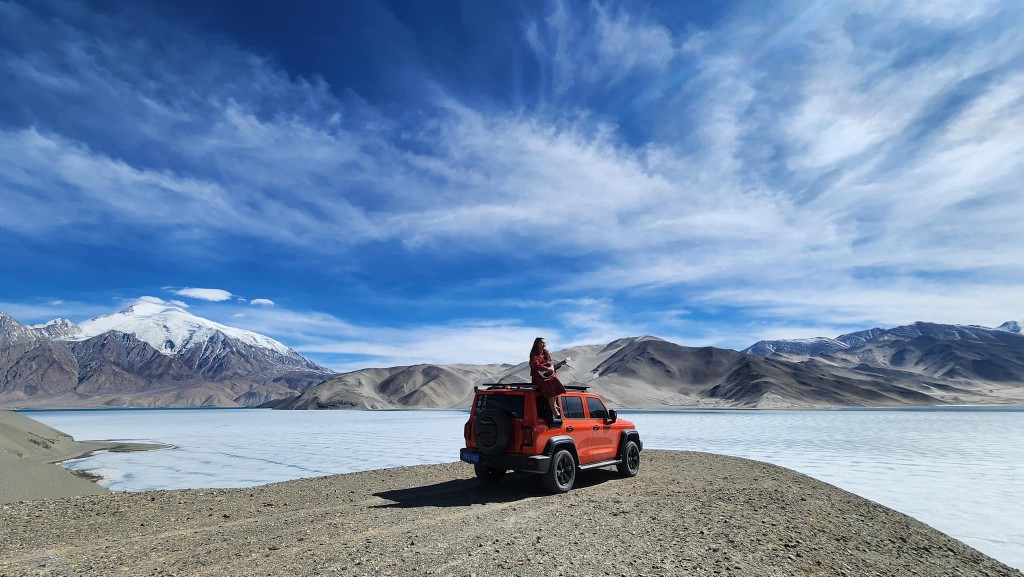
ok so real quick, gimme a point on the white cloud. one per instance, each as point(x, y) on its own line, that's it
point(206, 294)
point(263, 302)
point(626, 44)
point(863, 153)
point(181, 304)
point(321, 335)
point(603, 45)
point(900, 302)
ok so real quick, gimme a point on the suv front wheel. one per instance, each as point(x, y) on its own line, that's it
point(561, 475)
point(630, 464)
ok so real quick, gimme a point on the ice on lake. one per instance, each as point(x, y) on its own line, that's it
point(959, 470)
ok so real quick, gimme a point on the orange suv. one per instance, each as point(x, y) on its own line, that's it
point(511, 427)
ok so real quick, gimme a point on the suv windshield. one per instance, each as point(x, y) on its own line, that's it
point(511, 404)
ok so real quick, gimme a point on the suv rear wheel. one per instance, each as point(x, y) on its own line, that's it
point(488, 475)
point(561, 475)
point(630, 464)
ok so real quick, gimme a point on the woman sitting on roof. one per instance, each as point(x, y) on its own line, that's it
point(542, 374)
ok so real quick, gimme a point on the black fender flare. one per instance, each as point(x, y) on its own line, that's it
point(626, 436)
point(562, 442)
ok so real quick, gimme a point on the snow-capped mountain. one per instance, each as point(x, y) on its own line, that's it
point(811, 346)
point(170, 329)
point(150, 354)
point(858, 341)
point(939, 331)
point(209, 348)
point(57, 329)
point(823, 345)
point(858, 338)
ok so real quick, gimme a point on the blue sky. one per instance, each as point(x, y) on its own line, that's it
point(383, 183)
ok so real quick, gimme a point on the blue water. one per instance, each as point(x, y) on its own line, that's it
point(958, 469)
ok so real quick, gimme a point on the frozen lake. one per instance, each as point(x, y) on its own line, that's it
point(958, 469)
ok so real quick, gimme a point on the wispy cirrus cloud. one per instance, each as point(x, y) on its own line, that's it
point(783, 166)
point(599, 43)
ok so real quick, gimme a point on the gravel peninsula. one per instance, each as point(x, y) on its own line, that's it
point(685, 514)
point(29, 451)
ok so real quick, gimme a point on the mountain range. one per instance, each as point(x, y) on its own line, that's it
point(155, 354)
point(918, 364)
point(151, 354)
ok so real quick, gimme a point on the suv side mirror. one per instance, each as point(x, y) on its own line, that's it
point(612, 416)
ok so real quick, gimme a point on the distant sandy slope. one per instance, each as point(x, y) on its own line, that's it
point(27, 450)
point(685, 514)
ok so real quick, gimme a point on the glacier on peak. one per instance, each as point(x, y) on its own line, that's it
point(170, 329)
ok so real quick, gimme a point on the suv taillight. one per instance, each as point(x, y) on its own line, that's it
point(527, 436)
point(465, 430)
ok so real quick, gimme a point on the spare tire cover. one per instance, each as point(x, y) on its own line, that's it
point(491, 431)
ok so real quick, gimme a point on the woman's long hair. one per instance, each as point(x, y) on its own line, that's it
point(538, 348)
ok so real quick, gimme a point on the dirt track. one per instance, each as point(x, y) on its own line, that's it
point(685, 514)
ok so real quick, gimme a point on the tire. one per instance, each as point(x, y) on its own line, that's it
point(630, 464)
point(561, 475)
point(488, 475)
point(492, 431)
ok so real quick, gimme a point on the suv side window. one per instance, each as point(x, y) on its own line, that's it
point(596, 408)
point(572, 408)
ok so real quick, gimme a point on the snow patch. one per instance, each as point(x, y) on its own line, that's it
point(1012, 326)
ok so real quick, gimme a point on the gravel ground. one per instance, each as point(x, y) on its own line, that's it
point(684, 514)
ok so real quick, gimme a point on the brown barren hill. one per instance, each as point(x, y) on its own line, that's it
point(685, 514)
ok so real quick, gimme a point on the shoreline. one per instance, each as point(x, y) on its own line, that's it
point(685, 513)
point(955, 407)
point(76, 450)
point(31, 454)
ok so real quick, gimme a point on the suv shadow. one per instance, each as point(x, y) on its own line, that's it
point(467, 492)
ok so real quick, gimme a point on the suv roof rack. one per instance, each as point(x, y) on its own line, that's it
point(513, 386)
point(526, 387)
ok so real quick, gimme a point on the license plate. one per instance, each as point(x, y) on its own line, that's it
point(469, 456)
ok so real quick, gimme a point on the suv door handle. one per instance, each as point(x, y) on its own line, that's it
point(596, 427)
point(570, 428)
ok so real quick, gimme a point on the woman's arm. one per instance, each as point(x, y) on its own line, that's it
point(538, 362)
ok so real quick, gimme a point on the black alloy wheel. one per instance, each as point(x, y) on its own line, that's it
point(561, 476)
point(630, 464)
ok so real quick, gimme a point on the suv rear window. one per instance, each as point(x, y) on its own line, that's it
point(511, 404)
